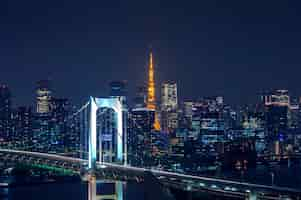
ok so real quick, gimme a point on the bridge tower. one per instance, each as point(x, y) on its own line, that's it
point(95, 104)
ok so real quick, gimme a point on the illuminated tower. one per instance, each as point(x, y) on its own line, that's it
point(151, 93)
point(151, 97)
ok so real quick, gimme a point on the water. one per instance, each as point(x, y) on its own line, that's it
point(278, 175)
point(283, 176)
point(70, 191)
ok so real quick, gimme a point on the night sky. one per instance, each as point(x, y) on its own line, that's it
point(230, 48)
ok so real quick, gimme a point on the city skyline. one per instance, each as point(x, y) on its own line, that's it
point(136, 100)
point(217, 46)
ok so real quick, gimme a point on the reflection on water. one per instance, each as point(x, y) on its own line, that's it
point(92, 190)
point(148, 190)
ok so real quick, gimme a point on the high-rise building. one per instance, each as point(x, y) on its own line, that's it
point(151, 94)
point(276, 98)
point(74, 132)
point(169, 106)
point(169, 96)
point(140, 99)
point(43, 96)
point(277, 111)
point(295, 113)
point(60, 110)
point(140, 144)
point(187, 109)
point(5, 112)
point(207, 120)
point(277, 119)
point(118, 89)
point(23, 120)
point(50, 125)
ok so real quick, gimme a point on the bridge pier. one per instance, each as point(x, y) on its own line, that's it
point(92, 188)
point(252, 196)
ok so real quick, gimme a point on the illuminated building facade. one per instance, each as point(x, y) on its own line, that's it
point(43, 96)
point(60, 110)
point(140, 137)
point(140, 98)
point(5, 112)
point(276, 98)
point(23, 120)
point(206, 119)
point(277, 111)
point(169, 96)
point(169, 106)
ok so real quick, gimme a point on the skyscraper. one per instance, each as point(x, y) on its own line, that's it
point(118, 89)
point(140, 98)
point(151, 93)
point(23, 119)
point(60, 110)
point(169, 106)
point(43, 96)
point(277, 111)
point(5, 112)
point(276, 98)
point(169, 96)
point(140, 144)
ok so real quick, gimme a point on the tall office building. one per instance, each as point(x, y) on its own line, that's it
point(169, 106)
point(277, 111)
point(151, 95)
point(23, 119)
point(276, 98)
point(169, 96)
point(60, 110)
point(140, 99)
point(278, 119)
point(5, 112)
point(187, 109)
point(118, 89)
point(206, 119)
point(140, 144)
point(43, 96)
point(295, 113)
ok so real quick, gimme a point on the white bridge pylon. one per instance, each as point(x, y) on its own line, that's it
point(95, 104)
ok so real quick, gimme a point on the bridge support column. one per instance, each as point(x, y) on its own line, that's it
point(119, 190)
point(252, 196)
point(92, 188)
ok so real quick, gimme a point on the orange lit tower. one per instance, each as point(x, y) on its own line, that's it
point(151, 92)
